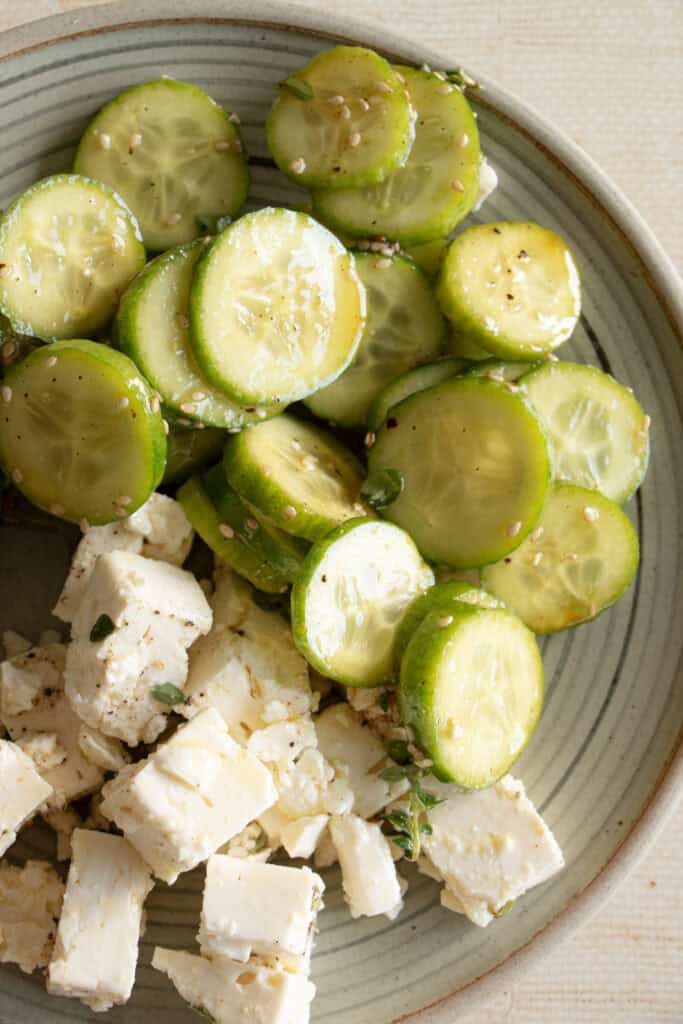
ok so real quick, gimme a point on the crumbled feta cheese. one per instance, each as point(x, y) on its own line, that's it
point(233, 993)
point(96, 950)
point(30, 902)
point(63, 821)
point(257, 908)
point(189, 797)
point(22, 792)
point(157, 611)
point(283, 742)
point(301, 837)
point(15, 643)
point(488, 847)
point(344, 740)
point(251, 842)
point(36, 713)
point(98, 540)
point(488, 181)
point(369, 879)
point(365, 699)
point(166, 531)
point(104, 751)
point(325, 851)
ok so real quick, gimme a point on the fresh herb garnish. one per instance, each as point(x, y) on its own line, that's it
point(167, 693)
point(103, 628)
point(459, 78)
point(505, 909)
point(260, 841)
point(398, 751)
point(212, 223)
point(298, 87)
point(382, 488)
point(409, 824)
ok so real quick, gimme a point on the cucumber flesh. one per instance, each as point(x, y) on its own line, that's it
point(580, 560)
point(599, 434)
point(409, 384)
point(68, 248)
point(475, 466)
point(172, 153)
point(80, 434)
point(347, 604)
point(442, 598)
point(354, 127)
point(471, 689)
point(278, 285)
point(189, 450)
point(435, 188)
point(297, 475)
point(404, 328)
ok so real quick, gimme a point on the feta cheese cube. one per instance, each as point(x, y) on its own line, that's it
point(96, 950)
point(234, 993)
point(189, 797)
point(30, 903)
point(22, 792)
point(488, 847)
point(369, 878)
point(36, 713)
point(301, 837)
point(96, 541)
point(257, 908)
point(104, 751)
point(346, 742)
point(283, 742)
point(325, 851)
point(157, 611)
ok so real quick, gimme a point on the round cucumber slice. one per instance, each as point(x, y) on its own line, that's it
point(404, 327)
point(280, 287)
point(343, 120)
point(475, 466)
point(579, 561)
point(189, 450)
point(471, 688)
point(284, 553)
point(463, 347)
point(219, 536)
point(436, 186)
point(68, 248)
point(499, 370)
point(296, 474)
point(599, 434)
point(152, 327)
point(172, 153)
point(442, 597)
point(428, 255)
point(409, 384)
point(354, 589)
point(80, 433)
point(512, 288)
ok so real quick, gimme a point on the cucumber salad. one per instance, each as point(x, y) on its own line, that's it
point(355, 407)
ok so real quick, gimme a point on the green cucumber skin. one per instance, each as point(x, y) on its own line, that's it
point(179, 464)
point(422, 606)
point(441, 370)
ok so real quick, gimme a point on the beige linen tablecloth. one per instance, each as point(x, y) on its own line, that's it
point(610, 74)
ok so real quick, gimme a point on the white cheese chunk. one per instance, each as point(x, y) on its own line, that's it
point(369, 878)
point(251, 842)
point(257, 908)
point(96, 541)
point(106, 752)
point(30, 903)
point(157, 611)
point(488, 847)
point(96, 950)
point(488, 182)
point(325, 852)
point(346, 742)
point(233, 993)
point(190, 797)
point(301, 837)
point(283, 742)
point(36, 713)
point(22, 792)
point(63, 821)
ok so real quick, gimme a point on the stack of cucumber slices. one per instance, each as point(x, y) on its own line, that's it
point(352, 403)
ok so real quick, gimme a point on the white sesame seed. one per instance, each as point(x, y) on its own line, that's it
point(8, 349)
point(457, 185)
point(156, 404)
point(289, 511)
point(647, 420)
point(444, 621)
point(514, 528)
point(174, 218)
point(538, 533)
point(52, 361)
point(383, 87)
point(119, 512)
point(198, 396)
point(407, 96)
point(375, 100)
point(370, 439)
point(260, 412)
point(124, 500)
point(166, 427)
point(437, 74)
point(17, 476)
point(226, 531)
point(57, 510)
point(444, 89)
point(496, 375)
point(537, 559)
point(310, 462)
point(400, 77)
point(358, 507)
point(6, 270)
point(135, 140)
point(123, 403)
point(84, 525)
point(571, 556)
point(187, 407)
point(223, 145)
point(6, 393)
point(105, 140)
point(251, 523)
point(590, 514)
point(298, 166)
point(364, 105)
point(354, 139)
point(345, 112)
point(383, 264)
point(464, 140)
point(296, 445)
point(511, 387)
point(552, 358)
point(234, 119)
point(336, 101)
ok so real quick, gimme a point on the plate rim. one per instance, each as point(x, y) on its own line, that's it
point(658, 269)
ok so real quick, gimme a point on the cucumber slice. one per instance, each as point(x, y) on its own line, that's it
point(464, 348)
point(404, 328)
point(13, 347)
point(436, 187)
point(153, 328)
point(512, 288)
point(346, 605)
point(80, 433)
point(189, 450)
point(472, 690)
point(579, 561)
point(500, 371)
point(68, 248)
point(428, 255)
point(219, 536)
point(475, 465)
point(172, 153)
point(272, 545)
point(297, 475)
point(599, 434)
point(409, 384)
point(351, 123)
point(280, 287)
point(441, 598)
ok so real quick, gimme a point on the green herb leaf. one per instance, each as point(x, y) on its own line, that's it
point(260, 841)
point(405, 842)
point(103, 628)
point(426, 800)
point(396, 772)
point(460, 78)
point(398, 751)
point(505, 909)
point(384, 702)
point(212, 223)
point(167, 693)
point(400, 820)
point(300, 88)
point(382, 488)
point(426, 829)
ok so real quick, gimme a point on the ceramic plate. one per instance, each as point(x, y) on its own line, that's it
point(601, 766)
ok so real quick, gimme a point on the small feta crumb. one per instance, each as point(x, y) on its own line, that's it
point(104, 751)
point(22, 792)
point(369, 879)
point(300, 838)
point(488, 181)
point(30, 903)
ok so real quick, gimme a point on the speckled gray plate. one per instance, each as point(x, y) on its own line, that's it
point(602, 766)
